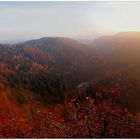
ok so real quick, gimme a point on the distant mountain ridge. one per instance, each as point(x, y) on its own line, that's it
point(52, 66)
point(52, 41)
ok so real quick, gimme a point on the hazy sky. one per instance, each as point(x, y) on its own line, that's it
point(26, 20)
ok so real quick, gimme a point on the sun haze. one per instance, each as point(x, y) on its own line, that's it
point(25, 20)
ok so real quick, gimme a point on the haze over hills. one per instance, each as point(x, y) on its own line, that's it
point(111, 57)
point(44, 73)
point(67, 69)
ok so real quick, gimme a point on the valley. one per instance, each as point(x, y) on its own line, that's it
point(52, 74)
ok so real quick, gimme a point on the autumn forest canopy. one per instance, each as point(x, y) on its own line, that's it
point(56, 87)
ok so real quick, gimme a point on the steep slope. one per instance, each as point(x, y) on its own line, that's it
point(120, 51)
point(120, 55)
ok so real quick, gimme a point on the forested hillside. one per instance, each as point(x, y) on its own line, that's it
point(53, 86)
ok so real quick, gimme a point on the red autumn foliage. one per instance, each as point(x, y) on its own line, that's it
point(81, 117)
